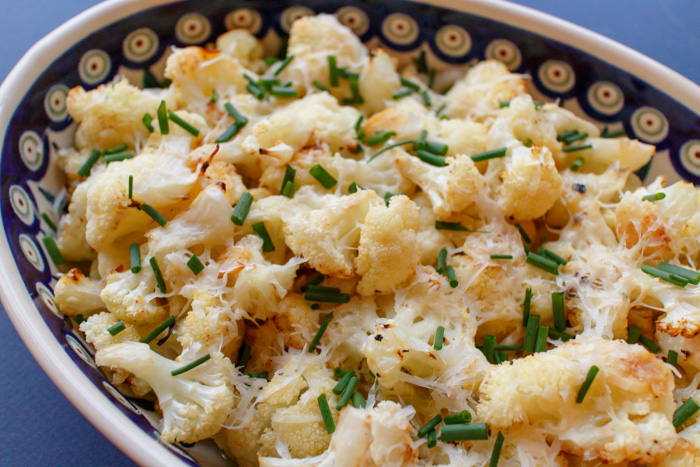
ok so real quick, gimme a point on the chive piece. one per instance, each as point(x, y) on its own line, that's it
point(315, 306)
point(380, 137)
point(156, 332)
point(587, 384)
point(214, 97)
point(260, 229)
point(496, 453)
point(489, 155)
point(633, 334)
point(672, 358)
point(692, 276)
point(229, 133)
point(195, 265)
point(613, 134)
point(499, 357)
point(577, 148)
point(409, 84)
point(538, 105)
point(432, 439)
point(574, 138)
point(130, 190)
point(257, 374)
point(147, 120)
point(339, 373)
point(358, 401)
point(284, 92)
point(283, 65)
point(551, 255)
point(543, 263)
point(451, 277)
point(117, 328)
point(326, 297)
point(48, 221)
point(526, 305)
point(558, 311)
point(79, 319)
point(426, 98)
point(564, 336)
point(460, 417)
point(439, 338)
point(158, 274)
point(323, 177)
point(526, 248)
point(402, 93)
point(435, 421)
point(271, 60)
point(53, 251)
point(355, 89)
point(430, 158)
point(431, 78)
point(442, 261)
point(576, 164)
point(654, 197)
point(176, 119)
point(163, 119)
point(155, 215)
point(523, 234)
point(120, 156)
point(685, 412)
point(344, 380)
point(391, 146)
point(333, 71)
point(255, 90)
point(135, 254)
point(439, 225)
point(289, 174)
point(649, 344)
point(566, 134)
point(84, 171)
point(387, 197)
point(464, 432)
point(121, 148)
point(508, 347)
point(353, 188)
point(326, 413)
point(666, 276)
point(533, 325)
point(421, 141)
point(503, 104)
point(527, 142)
point(319, 334)
point(237, 117)
point(347, 394)
point(242, 209)
point(440, 109)
point(191, 365)
point(318, 85)
point(438, 149)
point(501, 256)
point(245, 356)
point(541, 339)
point(489, 347)
point(289, 189)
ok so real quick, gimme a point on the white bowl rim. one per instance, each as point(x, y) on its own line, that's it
point(51, 356)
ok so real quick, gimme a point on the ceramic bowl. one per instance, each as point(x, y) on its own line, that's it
point(605, 81)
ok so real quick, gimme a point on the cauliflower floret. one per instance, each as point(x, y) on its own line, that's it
point(347, 332)
point(629, 153)
point(111, 114)
point(378, 81)
point(625, 416)
point(194, 404)
point(388, 253)
point(430, 240)
point(451, 189)
point(75, 294)
point(327, 237)
point(406, 118)
point(242, 46)
point(95, 329)
point(71, 229)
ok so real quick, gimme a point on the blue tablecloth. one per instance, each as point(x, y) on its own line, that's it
point(38, 426)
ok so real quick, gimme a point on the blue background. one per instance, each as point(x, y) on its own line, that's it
point(38, 426)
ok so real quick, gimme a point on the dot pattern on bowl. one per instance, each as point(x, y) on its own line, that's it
point(607, 95)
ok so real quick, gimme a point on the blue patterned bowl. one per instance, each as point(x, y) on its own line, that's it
point(608, 83)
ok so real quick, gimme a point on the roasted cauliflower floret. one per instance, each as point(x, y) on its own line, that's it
point(242, 46)
point(378, 81)
point(96, 326)
point(71, 229)
point(134, 298)
point(76, 294)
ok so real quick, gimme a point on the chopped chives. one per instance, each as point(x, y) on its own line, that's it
point(543, 263)
point(120, 156)
point(439, 225)
point(260, 229)
point(245, 356)
point(84, 171)
point(649, 344)
point(501, 256)
point(541, 339)
point(353, 188)
point(451, 277)
point(564, 336)
point(53, 251)
point(319, 334)
point(692, 276)
point(672, 358)
point(156, 332)
point(500, 357)
point(355, 89)
point(387, 197)
point(289, 189)
point(214, 97)
point(654, 197)
point(566, 134)
point(431, 78)
point(558, 311)
point(326, 297)
point(195, 265)
point(358, 128)
point(496, 453)
point(439, 338)
point(78, 319)
point(271, 60)
point(527, 142)
point(391, 146)
point(315, 306)
point(229, 133)
point(439, 149)
point(489, 155)
point(533, 325)
point(135, 255)
point(155, 215)
point(464, 432)
point(257, 374)
point(157, 274)
point(242, 209)
point(503, 104)
point(551, 255)
point(339, 373)
point(380, 137)
point(574, 138)
point(426, 98)
point(321, 288)
point(191, 365)
point(613, 134)
point(237, 117)
point(526, 305)
point(409, 84)
point(326, 413)
point(442, 261)
point(347, 394)
point(162, 114)
point(117, 328)
point(633, 334)
point(402, 93)
point(344, 380)
point(121, 148)
point(430, 158)
point(421, 141)
point(432, 439)
point(283, 65)
point(176, 119)
point(130, 190)
point(440, 109)
point(333, 71)
point(435, 421)
point(577, 148)
point(358, 401)
point(666, 276)
point(460, 417)
point(284, 92)
point(323, 177)
point(254, 88)
point(320, 86)
point(538, 105)
point(48, 221)
point(509, 347)
point(489, 347)
point(523, 234)
point(147, 120)
point(685, 412)
point(289, 174)
point(576, 164)
point(587, 384)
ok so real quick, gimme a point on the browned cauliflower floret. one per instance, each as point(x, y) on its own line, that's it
point(244, 47)
point(77, 294)
point(71, 230)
